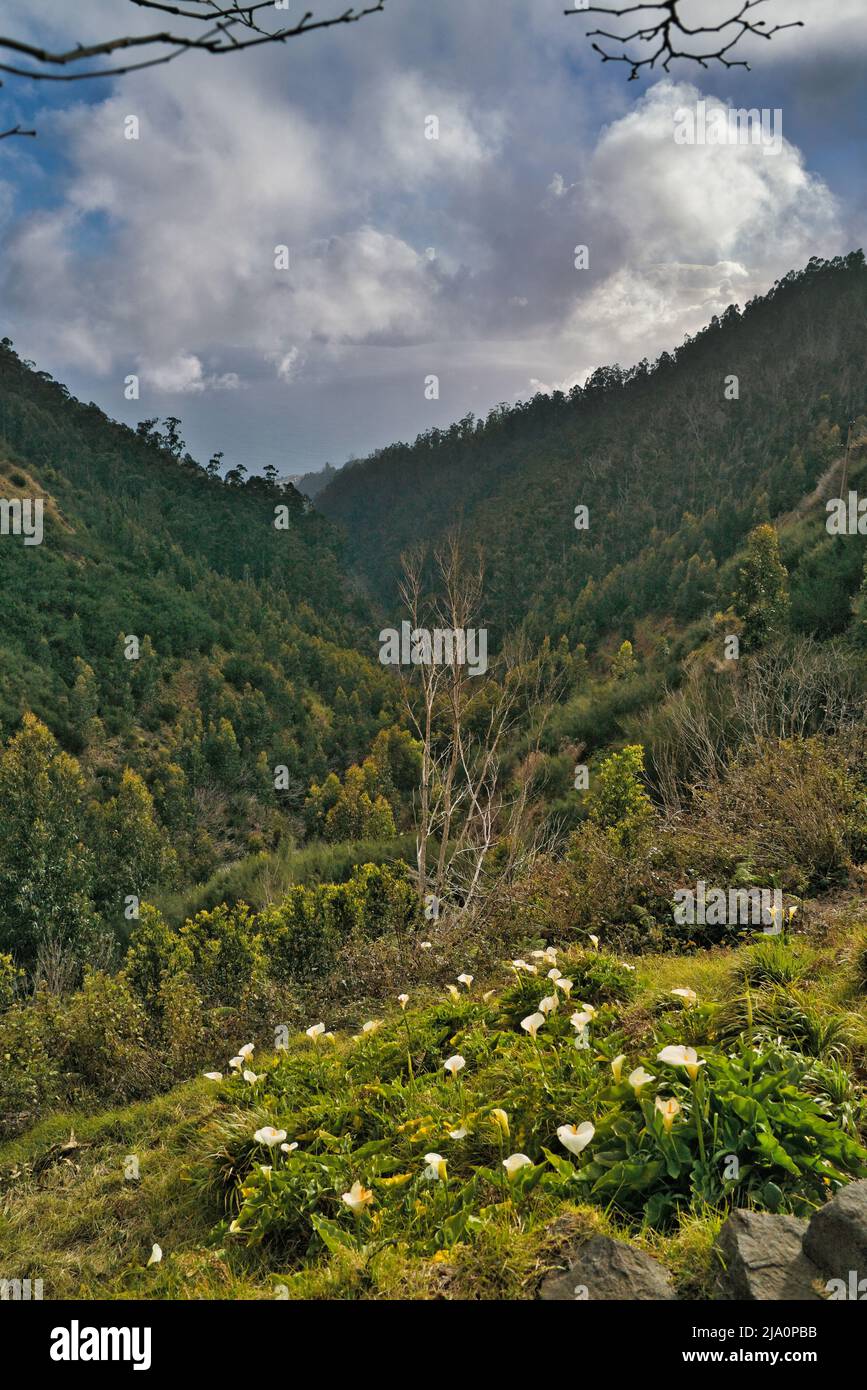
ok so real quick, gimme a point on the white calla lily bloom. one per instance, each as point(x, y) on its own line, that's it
point(515, 1162)
point(639, 1078)
point(532, 1023)
point(575, 1138)
point(436, 1170)
point(357, 1198)
point(668, 1108)
point(688, 996)
point(677, 1056)
point(269, 1135)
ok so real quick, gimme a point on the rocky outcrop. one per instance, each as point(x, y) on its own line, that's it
point(836, 1239)
point(763, 1258)
point(602, 1268)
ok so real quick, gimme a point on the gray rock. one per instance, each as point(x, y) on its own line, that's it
point(836, 1238)
point(603, 1268)
point(763, 1258)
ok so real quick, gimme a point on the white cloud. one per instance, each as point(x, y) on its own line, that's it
point(157, 255)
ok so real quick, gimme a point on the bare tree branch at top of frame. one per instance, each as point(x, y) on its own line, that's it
point(670, 30)
point(227, 26)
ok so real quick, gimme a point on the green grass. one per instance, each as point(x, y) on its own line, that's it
point(357, 1113)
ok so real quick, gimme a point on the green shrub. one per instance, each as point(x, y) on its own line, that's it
point(104, 1037)
point(150, 954)
point(10, 979)
point(222, 953)
point(30, 1064)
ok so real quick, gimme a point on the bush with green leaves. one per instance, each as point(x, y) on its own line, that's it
point(742, 1132)
point(304, 932)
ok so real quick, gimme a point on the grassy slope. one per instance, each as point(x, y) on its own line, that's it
point(87, 1231)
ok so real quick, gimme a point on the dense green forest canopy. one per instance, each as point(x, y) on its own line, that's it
point(197, 630)
point(673, 468)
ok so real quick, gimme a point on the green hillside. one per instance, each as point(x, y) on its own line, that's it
point(167, 626)
point(673, 473)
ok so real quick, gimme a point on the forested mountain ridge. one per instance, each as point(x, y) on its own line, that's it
point(675, 462)
point(198, 631)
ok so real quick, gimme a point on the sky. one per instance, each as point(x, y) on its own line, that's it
point(409, 257)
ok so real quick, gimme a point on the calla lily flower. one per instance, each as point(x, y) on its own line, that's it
point(532, 1023)
point(288, 1148)
point(549, 1004)
point(488, 994)
point(549, 954)
point(639, 1078)
point(682, 1057)
point(269, 1135)
point(688, 996)
point(576, 1137)
point(595, 940)
point(565, 985)
point(315, 1031)
point(250, 1076)
point(501, 1120)
point(617, 1067)
point(425, 945)
point(454, 992)
point(460, 1133)
point(522, 965)
point(156, 1255)
point(214, 1075)
point(403, 1000)
point(436, 1169)
point(454, 1064)
point(357, 1198)
point(554, 974)
point(581, 1020)
point(246, 1051)
point(372, 1025)
point(668, 1108)
point(626, 966)
point(236, 1063)
point(465, 979)
point(515, 1162)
